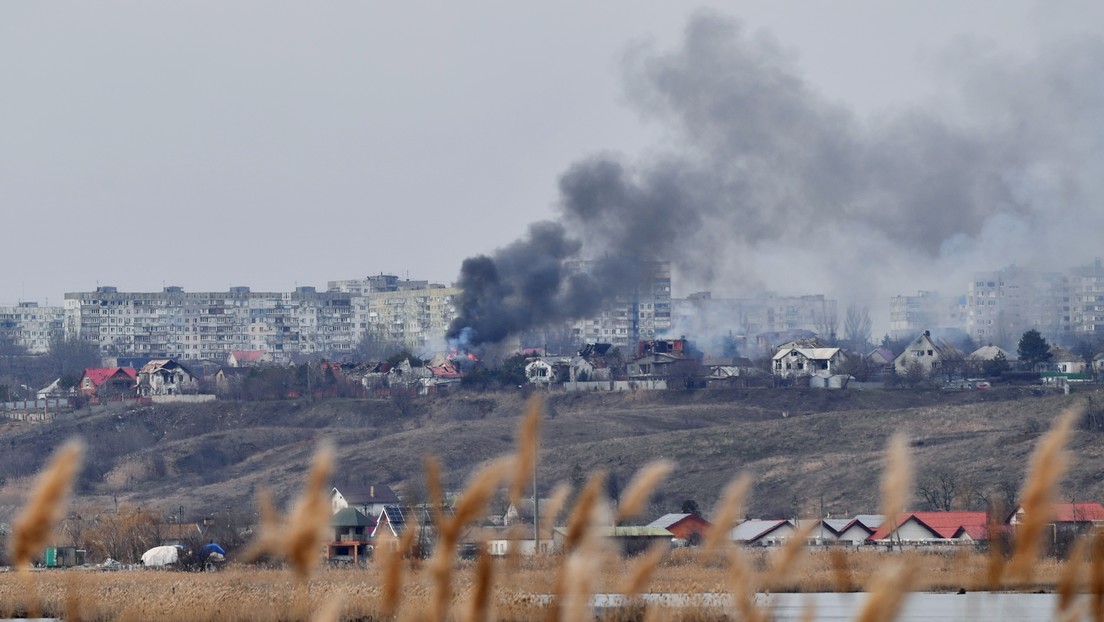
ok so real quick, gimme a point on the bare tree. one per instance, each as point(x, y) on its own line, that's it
point(826, 322)
point(939, 490)
point(857, 327)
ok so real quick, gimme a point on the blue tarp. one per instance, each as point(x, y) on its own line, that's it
point(211, 547)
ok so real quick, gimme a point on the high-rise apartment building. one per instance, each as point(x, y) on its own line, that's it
point(208, 325)
point(910, 316)
point(1002, 304)
point(640, 310)
point(1084, 308)
point(30, 326)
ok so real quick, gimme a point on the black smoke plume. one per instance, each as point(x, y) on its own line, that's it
point(766, 183)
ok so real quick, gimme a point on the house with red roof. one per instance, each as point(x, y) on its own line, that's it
point(934, 527)
point(1081, 515)
point(687, 527)
point(108, 382)
point(248, 358)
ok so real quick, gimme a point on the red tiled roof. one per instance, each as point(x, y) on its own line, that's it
point(1078, 512)
point(1072, 512)
point(942, 524)
point(98, 375)
point(445, 371)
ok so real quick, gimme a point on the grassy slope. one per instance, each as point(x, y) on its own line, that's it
point(825, 454)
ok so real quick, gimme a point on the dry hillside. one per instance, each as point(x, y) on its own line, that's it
point(809, 451)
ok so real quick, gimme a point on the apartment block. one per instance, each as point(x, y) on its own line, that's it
point(910, 316)
point(642, 310)
point(1002, 304)
point(30, 326)
point(1085, 308)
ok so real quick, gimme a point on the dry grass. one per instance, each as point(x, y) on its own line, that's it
point(449, 589)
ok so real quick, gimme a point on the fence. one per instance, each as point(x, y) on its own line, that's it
point(43, 404)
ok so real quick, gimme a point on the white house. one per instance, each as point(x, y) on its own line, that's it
point(849, 531)
point(165, 377)
point(554, 369)
point(369, 499)
point(796, 361)
point(759, 532)
point(924, 352)
point(935, 527)
point(1065, 362)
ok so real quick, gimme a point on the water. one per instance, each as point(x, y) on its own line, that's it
point(918, 607)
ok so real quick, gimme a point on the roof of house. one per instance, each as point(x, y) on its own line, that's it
point(1080, 512)
point(234, 371)
point(351, 517)
point(885, 355)
point(754, 529)
point(988, 353)
point(818, 354)
point(247, 356)
point(869, 522)
point(446, 370)
point(669, 520)
point(625, 531)
point(945, 525)
point(156, 364)
point(366, 494)
point(1062, 355)
point(99, 375)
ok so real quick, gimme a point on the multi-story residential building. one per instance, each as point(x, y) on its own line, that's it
point(910, 316)
point(30, 326)
point(1084, 308)
point(641, 311)
point(208, 325)
point(1002, 304)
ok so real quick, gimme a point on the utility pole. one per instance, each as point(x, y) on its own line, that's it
point(536, 506)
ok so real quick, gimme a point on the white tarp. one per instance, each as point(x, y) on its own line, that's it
point(161, 556)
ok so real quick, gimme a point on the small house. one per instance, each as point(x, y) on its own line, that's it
point(165, 377)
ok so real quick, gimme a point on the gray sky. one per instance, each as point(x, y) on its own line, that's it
point(269, 144)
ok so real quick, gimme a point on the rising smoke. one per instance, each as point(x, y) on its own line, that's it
point(765, 183)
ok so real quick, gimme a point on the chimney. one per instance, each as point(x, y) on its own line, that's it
point(372, 492)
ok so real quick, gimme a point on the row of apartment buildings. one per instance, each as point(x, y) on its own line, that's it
point(1000, 305)
point(997, 308)
point(177, 324)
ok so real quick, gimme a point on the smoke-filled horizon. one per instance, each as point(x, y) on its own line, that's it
point(762, 183)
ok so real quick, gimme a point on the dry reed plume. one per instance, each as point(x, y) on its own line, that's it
point(300, 538)
point(1096, 576)
point(45, 507)
point(554, 506)
point(728, 511)
point(642, 569)
point(1048, 464)
point(1070, 578)
point(641, 487)
point(887, 594)
point(470, 506)
point(480, 605)
point(528, 441)
point(896, 481)
point(786, 559)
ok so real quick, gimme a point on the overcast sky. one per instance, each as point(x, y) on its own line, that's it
point(275, 144)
